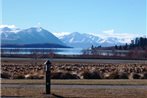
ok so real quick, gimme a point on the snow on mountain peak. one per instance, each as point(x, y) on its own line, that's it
point(109, 38)
point(31, 35)
point(60, 35)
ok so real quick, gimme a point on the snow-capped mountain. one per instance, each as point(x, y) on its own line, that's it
point(83, 40)
point(34, 35)
point(38, 35)
point(79, 40)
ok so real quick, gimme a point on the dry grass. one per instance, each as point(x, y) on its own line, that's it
point(24, 92)
point(77, 93)
point(103, 93)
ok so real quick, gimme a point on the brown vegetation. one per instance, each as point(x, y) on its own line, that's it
point(76, 71)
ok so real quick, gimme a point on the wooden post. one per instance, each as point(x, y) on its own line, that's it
point(48, 76)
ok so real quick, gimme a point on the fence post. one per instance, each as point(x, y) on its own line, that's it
point(48, 76)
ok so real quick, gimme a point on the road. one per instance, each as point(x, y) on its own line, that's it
point(72, 86)
point(77, 60)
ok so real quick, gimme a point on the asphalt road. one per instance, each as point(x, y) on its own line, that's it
point(72, 86)
point(80, 60)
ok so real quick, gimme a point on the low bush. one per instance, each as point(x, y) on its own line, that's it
point(136, 76)
point(111, 75)
point(91, 75)
point(5, 75)
point(19, 77)
point(69, 76)
point(123, 75)
point(145, 75)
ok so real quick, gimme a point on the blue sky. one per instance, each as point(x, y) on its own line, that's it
point(85, 16)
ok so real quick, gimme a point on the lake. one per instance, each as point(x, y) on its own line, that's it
point(64, 51)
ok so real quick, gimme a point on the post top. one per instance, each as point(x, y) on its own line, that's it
point(48, 62)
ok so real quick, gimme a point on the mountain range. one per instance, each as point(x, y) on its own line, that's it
point(40, 36)
point(85, 40)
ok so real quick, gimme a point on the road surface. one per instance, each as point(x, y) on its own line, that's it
point(78, 60)
point(72, 86)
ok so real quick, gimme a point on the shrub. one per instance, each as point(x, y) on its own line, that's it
point(5, 75)
point(69, 76)
point(111, 75)
point(145, 75)
point(41, 77)
point(136, 76)
point(56, 75)
point(28, 76)
point(123, 75)
point(19, 77)
point(91, 75)
point(63, 75)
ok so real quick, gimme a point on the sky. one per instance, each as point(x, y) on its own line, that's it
point(84, 16)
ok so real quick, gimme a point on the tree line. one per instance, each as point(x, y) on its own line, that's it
point(137, 43)
point(136, 49)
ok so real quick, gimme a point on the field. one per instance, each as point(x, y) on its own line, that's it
point(75, 88)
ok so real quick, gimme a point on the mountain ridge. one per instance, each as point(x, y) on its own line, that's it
point(87, 40)
point(30, 36)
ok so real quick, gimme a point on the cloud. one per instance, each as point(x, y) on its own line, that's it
point(13, 28)
point(111, 31)
point(9, 26)
point(125, 37)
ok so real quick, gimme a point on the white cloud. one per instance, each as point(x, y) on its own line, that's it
point(125, 37)
point(113, 33)
point(9, 26)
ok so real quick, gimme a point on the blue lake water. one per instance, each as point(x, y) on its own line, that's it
point(69, 51)
point(65, 51)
